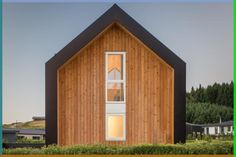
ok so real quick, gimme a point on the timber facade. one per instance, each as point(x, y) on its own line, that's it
point(115, 84)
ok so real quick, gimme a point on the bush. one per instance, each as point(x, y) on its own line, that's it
point(25, 140)
point(189, 137)
point(207, 138)
point(199, 147)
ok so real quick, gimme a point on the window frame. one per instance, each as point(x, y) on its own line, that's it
point(115, 108)
point(124, 127)
point(123, 53)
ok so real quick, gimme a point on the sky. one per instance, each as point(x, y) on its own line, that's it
point(201, 33)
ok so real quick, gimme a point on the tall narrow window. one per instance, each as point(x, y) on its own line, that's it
point(115, 96)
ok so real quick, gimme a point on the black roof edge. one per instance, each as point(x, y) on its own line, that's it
point(147, 33)
point(116, 14)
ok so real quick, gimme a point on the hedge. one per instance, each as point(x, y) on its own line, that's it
point(220, 147)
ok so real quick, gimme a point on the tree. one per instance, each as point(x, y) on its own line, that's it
point(221, 94)
point(202, 113)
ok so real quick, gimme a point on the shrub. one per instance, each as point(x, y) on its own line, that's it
point(207, 138)
point(197, 147)
point(25, 140)
point(189, 137)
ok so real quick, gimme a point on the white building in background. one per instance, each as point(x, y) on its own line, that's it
point(222, 128)
point(12, 134)
point(34, 134)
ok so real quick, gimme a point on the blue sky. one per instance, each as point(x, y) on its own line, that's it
point(199, 33)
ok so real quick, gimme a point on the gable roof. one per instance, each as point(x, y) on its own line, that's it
point(115, 15)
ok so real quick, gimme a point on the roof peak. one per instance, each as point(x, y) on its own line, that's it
point(115, 5)
point(115, 8)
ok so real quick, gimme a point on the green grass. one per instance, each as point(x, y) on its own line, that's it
point(197, 147)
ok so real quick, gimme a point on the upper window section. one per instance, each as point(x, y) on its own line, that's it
point(115, 67)
point(115, 77)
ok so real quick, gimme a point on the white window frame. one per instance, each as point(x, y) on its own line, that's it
point(115, 81)
point(124, 127)
point(115, 108)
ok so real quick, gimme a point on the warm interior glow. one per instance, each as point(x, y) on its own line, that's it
point(115, 126)
point(115, 68)
point(115, 92)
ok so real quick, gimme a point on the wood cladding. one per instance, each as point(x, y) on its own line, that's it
point(149, 93)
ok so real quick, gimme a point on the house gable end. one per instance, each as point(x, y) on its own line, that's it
point(115, 14)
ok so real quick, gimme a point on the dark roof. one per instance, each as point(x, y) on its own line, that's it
point(115, 15)
point(32, 131)
point(25, 131)
point(38, 118)
point(191, 124)
point(190, 128)
point(226, 123)
point(9, 131)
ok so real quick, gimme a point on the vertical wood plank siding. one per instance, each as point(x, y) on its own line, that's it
point(149, 93)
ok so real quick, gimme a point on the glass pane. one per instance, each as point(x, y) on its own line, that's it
point(115, 67)
point(115, 126)
point(115, 92)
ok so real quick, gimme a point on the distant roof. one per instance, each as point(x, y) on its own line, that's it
point(9, 131)
point(32, 131)
point(226, 123)
point(38, 118)
point(25, 131)
point(191, 124)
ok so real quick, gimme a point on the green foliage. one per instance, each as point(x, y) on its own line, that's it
point(226, 137)
point(25, 140)
point(199, 147)
point(221, 94)
point(209, 138)
point(202, 113)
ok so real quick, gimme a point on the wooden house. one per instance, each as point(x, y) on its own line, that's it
point(116, 84)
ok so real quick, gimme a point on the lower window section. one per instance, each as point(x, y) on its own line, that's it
point(115, 127)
